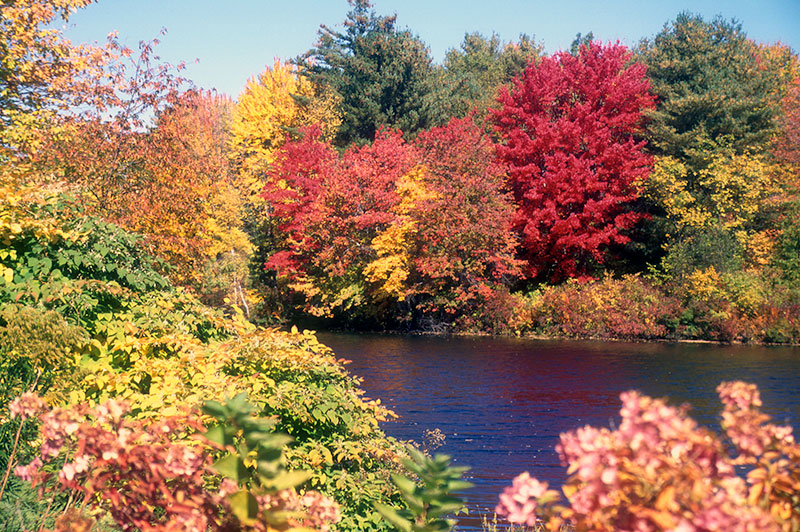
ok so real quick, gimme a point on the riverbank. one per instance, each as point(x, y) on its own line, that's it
point(630, 308)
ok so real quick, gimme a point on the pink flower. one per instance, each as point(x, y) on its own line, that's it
point(111, 411)
point(518, 502)
point(747, 427)
point(322, 511)
point(27, 472)
point(71, 469)
point(27, 405)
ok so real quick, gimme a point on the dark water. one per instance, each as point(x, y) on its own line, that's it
point(502, 403)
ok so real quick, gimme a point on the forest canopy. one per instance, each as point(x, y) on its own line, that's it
point(363, 184)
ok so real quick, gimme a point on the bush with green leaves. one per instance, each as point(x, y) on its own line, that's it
point(431, 499)
point(701, 249)
point(87, 294)
point(787, 256)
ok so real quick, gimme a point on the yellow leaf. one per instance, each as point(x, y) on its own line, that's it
point(755, 493)
point(666, 499)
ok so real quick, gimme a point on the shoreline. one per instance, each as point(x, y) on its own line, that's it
point(561, 338)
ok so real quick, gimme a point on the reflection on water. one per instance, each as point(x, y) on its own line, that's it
point(502, 403)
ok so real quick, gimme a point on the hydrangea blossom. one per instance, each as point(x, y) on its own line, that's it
point(660, 471)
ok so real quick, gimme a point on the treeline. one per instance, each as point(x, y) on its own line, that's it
point(601, 191)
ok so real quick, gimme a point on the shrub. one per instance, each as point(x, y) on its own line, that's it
point(151, 476)
point(660, 471)
point(700, 249)
point(742, 305)
point(629, 307)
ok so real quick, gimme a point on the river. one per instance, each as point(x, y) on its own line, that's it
point(502, 402)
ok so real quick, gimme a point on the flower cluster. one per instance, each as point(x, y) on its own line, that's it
point(310, 510)
point(145, 474)
point(769, 450)
point(519, 501)
point(26, 406)
point(747, 427)
point(660, 471)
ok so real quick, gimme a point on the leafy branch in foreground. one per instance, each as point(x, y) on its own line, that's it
point(430, 500)
point(260, 490)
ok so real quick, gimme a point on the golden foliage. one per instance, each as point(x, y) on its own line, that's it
point(390, 271)
point(703, 285)
point(274, 104)
point(41, 73)
point(729, 192)
point(758, 246)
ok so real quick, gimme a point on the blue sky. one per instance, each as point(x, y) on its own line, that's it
point(233, 40)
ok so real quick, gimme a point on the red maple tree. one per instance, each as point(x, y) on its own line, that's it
point(327, 210)
point(465, 249)
point(569, 131)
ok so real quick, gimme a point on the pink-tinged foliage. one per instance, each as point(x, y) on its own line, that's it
point(312, 510)
point(660, 471)
point(329, 208)
point(129, 467)
point(152, 476)
point(569, 134)
point(26, 406)
point(464, 246)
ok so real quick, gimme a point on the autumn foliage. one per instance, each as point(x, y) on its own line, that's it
point(421, 224)
point(570, 130)
point(660, 470)
point(462, 250)
point(616, 195)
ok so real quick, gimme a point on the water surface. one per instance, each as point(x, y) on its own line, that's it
point(502, 402)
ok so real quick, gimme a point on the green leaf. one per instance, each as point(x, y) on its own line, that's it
point(216, 409)
point(405, 485)
point(459, 485)
point(218, 435)
point(239, 405)
point(446, 508)
point(395, 519)
point(332, 417)
point(231, 466)
point(289, 479)
point(244, 506)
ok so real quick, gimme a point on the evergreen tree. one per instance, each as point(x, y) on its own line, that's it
point(718, 107)
point(472, 73)
point(382, 74)
point(712, 89)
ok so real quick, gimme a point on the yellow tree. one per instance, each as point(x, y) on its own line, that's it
point(391, 269)
point(740, 192)
point(273, 105)
point(189, 210)
point(39, 68)
point(41, 72)
point(732, 193)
